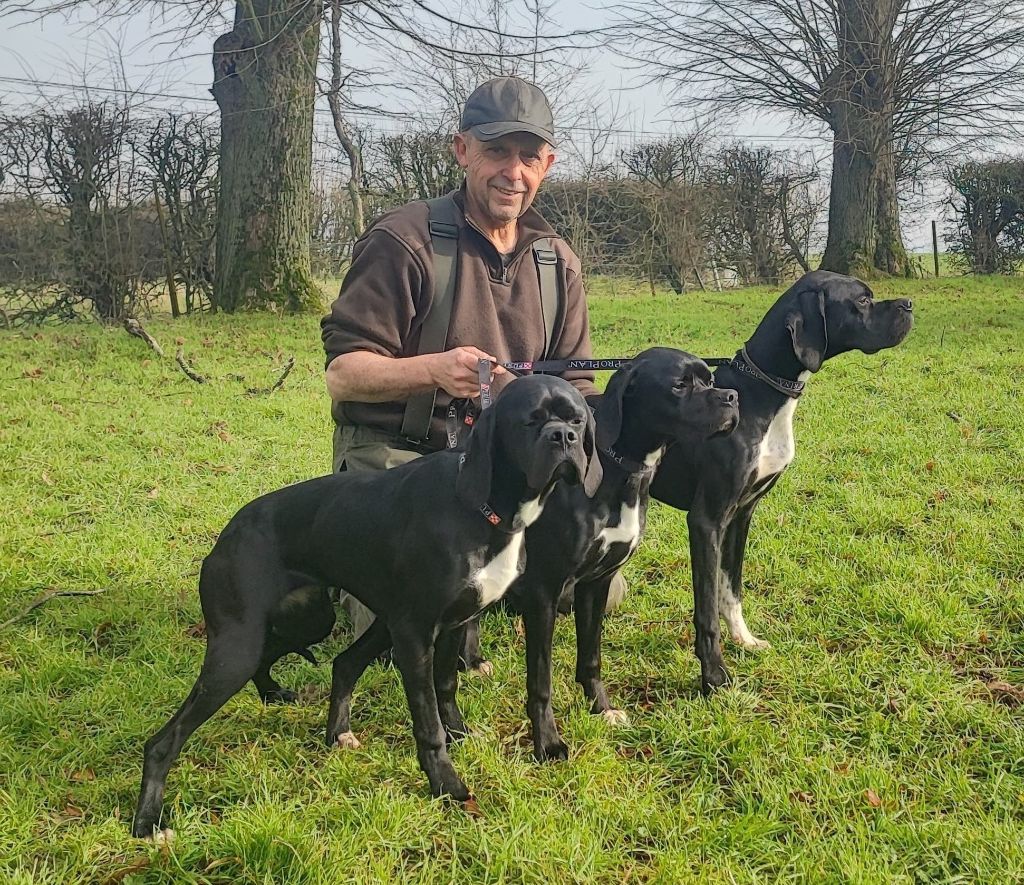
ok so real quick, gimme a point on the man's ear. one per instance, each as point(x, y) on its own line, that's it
point(806, 325)
point(473, 484)
point(609, 411)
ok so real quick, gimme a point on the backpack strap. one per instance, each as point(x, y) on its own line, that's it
point(444, 240)
point(551, 300)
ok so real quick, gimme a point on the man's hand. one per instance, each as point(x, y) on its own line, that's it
point(455, 371)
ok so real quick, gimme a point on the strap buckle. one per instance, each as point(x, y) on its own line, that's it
point(545, 256)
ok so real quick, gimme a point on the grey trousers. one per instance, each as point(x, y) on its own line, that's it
point(363, 448)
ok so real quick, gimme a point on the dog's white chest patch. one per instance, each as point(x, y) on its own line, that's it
point(626, 532)
point(778, 446)
point(493, 580)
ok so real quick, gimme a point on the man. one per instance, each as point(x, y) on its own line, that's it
point(376, 367)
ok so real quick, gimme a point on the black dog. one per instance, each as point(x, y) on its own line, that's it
point(424, 546)
point(821, 316)
point(661, 397)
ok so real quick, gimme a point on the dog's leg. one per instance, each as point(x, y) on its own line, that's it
point(589, 611)
point(539, 610)
point(470, 657)
point(414, 655)
point(268, 688)
point(706, 559)
point(345, 672)
point(730, 586)
point(231, 660)
point(446, 682)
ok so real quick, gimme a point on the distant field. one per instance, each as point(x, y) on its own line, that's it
point(880, 739)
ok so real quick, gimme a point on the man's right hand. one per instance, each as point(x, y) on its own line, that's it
point(455, 371)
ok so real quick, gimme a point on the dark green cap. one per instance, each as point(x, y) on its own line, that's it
point(508, 104)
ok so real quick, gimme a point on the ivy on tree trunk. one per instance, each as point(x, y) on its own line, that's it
point(264, 86)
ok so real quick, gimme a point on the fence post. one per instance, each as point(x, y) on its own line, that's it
point(935, 247)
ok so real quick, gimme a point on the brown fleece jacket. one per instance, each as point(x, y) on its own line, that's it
point(497, 307)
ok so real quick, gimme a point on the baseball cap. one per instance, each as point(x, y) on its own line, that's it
point(507, 104)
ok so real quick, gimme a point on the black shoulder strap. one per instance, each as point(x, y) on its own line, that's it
point(551, 301)
point(444, 239)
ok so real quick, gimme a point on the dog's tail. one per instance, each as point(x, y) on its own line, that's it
point(308, 655)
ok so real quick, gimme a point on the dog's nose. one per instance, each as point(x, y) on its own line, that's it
point(907, 305)
point(731, 397)
point(565, 436)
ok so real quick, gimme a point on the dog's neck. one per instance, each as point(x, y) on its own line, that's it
point(771, 347)
point(509, 494)
point(635, 455)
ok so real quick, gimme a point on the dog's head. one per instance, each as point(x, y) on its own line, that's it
point(671, 394)
point(540, 427)
point(827, 314)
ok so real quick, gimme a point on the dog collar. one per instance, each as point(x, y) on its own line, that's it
point(743, 363)
point(628, 464)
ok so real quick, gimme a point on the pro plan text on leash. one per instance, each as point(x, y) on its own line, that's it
point(819, 317)
point(425, 546)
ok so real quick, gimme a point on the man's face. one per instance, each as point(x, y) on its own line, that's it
point(502, 175)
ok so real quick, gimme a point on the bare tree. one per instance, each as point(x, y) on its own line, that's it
point(878, 73)
point(988, 200)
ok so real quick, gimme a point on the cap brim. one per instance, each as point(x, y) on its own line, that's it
point(490, 131)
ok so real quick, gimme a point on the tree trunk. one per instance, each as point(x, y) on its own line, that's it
point(264, 86)
point(864, 236)
point(890, 253)
point(852, 210)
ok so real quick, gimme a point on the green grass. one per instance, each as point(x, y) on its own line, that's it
point(877, 741)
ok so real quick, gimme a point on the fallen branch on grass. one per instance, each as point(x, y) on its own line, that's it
point(44, 598)
point(186, 368)
point(134, 327)
point(261, 391)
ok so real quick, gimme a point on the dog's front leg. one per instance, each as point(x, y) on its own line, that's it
point(590, 601)
point(539, 620)
point(730, 587)
point(706, 558)
point(414, 655)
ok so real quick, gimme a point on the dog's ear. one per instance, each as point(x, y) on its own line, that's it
point(609, 423)
point(473, 484)
point(806, 326)
point(594, 472)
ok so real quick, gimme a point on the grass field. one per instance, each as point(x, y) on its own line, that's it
point(880, 739)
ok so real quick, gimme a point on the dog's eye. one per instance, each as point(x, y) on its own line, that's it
point(577, 421)
point(683, 384)
point(864, 300)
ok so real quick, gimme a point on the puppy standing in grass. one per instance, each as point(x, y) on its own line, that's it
point(424, 546)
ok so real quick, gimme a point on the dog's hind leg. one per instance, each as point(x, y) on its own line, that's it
point(231, 659)
point(446, 682)
point(414, 655)
point(591, 600)
point(730, 582)
point(470, 656)
point(345, 672)
point(303, 618)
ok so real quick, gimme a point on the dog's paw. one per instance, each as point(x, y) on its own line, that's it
point(551, 750)
point(161, 837)
point(750, 642)
point(347, 741)
point(281, 696)
point(713, 679)
point(482, 668)
point(616, 718)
